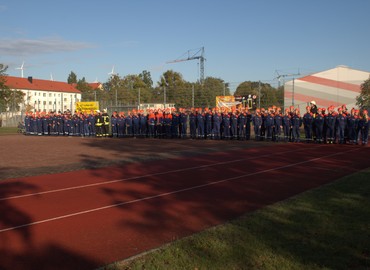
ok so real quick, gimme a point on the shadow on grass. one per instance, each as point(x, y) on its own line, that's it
point(327, 228)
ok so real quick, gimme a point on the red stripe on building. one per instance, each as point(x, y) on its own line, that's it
point(306, 98)
point(332, 83)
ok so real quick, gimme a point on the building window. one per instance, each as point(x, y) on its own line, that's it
point(50, 103)
point(65, 99)
point(44, 94)
point(50, 94)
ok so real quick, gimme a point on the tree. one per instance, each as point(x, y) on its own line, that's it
point(10, 100)
point(269, 95)
point(87, 93)
point(146, 78)
point(72, 78)
point(363, 100)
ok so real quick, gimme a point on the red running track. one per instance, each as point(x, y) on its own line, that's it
point(86, 219)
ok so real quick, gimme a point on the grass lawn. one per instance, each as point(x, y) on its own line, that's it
point(325, 228)
point(8, 130)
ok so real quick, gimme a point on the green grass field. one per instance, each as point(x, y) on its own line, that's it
point(8, 130)
point(325, 228)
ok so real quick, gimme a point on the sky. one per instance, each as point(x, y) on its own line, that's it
point(244, 40)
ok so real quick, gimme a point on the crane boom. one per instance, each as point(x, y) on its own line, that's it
point(198, 55)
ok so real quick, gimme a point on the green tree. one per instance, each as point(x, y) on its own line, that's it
point(72, 78)
point(269, 95)
point(9, 99)
point(87, 92)
point(146, 78)
point(363, 100)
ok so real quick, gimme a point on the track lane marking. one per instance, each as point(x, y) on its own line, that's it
point(169, 193)
point(144, 176)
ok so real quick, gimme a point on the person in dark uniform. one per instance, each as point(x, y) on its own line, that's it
point(296, 124)
point(193, 123)
point(307, 124)
point(330, 124)
point(105, 126)
point(114, 126)
point(257, 123)
point(364, 124)
point(352, 127)
point(216, 123)
point(184, 123)
point(287, 123)
point(242, 117)
point(143, 124)
point(234, 124)
point(269, 124)
point(99, 124)
point(319, 125)
point(341, 125)
point(278, 123)
point(208, 123)
point(225, 121)
point(200, 123)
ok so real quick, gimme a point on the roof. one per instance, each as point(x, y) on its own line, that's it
point(39, 85)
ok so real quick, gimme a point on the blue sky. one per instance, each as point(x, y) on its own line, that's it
point(243, 39)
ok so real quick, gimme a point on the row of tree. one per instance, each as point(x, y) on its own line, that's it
point(172, 88)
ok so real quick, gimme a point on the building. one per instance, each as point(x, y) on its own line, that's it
point(44, 95)
point(337, 86)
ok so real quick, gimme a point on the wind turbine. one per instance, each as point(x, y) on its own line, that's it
point(21, 68)
point(51, 77)
point(112, 73)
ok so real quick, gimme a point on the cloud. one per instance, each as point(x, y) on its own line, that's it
point(26, 47)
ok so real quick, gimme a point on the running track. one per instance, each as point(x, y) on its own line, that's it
point(86, 219)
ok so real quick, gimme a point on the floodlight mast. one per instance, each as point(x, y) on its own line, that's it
point(199, 54)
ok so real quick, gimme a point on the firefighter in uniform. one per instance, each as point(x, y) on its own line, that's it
point(105, 127)
point(98, 124)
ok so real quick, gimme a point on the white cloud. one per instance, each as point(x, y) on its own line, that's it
point(26, 47)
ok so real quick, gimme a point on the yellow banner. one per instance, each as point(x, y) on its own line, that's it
point(226, 102)
point(87, 106)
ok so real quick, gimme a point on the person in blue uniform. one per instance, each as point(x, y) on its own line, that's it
point(225, 122)
point(341, 120)
point(208, 123)
point(278, 124)
point(287, 124)
point(114, 127)
point(143, 124)
point(307, 124)
point(121, 125)
point(92, 129)
point(193, 123)
point(352, 127)
point(257, 123)
point(242, 117)
point(234, 124)
point(296, 124)
point(151, 124)
point(184, 123)
point(135, 123)
point(175, 124)
point(364, 125)
point(330, 124)
point(269, 124)
point(319, 125)
point(128, 124)
point(201, 123)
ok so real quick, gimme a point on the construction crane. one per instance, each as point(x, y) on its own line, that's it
point(279, 76)
point(192, 55)
point(287, 75)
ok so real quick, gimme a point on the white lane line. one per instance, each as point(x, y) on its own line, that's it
point(168, 193)
point(144, 176)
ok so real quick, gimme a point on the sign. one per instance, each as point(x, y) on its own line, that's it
point(87, 106)
point(226, 102)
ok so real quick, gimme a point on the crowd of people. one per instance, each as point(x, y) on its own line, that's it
point(319, 125)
